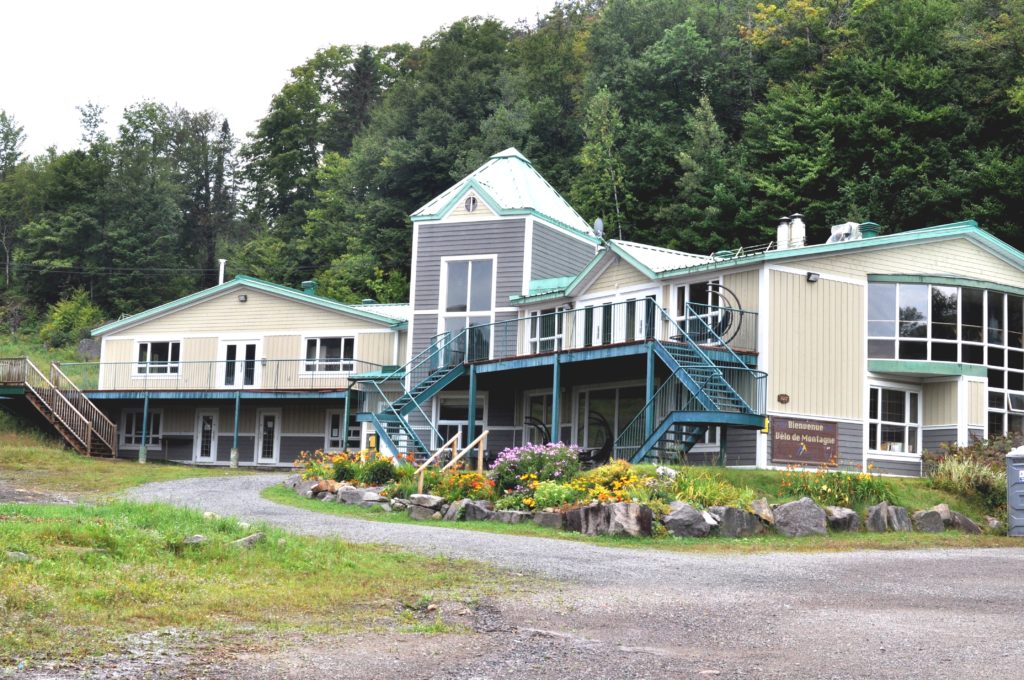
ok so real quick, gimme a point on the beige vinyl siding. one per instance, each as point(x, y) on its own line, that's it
point(951, 257)
point(246, 421)
point(287, 348)
point(976, 403)
point(283, 347)
point(178, 419)
point(816, 347)
point(745, 286)
point(261, 313)
point(375, 348)
point(118, 351)
point(199, 349)
point(459, 209)
point(403, 347)
point(940, 403)
point(619, 274)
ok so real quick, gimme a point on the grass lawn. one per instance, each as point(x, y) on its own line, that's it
point(758, 544)
point(32, 461)
point(101, 572)
point(28, 345)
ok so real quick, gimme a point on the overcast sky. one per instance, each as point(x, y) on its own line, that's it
point(223, 55)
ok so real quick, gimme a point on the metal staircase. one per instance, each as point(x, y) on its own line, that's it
point(699, 393)
point(78, 421)
point(402, 420)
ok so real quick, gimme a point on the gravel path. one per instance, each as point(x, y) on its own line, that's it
point(623, 613)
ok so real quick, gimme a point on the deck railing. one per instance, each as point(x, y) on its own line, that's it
point(597, 325)
point(257, 374)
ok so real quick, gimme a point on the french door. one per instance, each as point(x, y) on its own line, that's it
point(240, 367)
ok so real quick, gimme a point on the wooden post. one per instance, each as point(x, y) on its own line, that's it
point(480, 458)
point(145, 429)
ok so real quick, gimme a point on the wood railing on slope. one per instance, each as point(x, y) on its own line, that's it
point(452, 444)
point(102, 427)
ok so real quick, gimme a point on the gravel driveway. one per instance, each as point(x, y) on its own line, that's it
point(623, 613)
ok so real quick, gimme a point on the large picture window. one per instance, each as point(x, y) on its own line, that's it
point(330, 354)
point(894, 421)
point(469, 304)
point(158, 358)
point(131, 429)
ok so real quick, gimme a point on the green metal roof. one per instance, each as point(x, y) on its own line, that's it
point(242, 281)
point(966, 228)
point(509, 185)
point(538, 286)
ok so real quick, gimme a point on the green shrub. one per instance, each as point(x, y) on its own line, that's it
point(405, 483)
point(514, 501)
point(971, 478)
point(553, 495)
point(700, 489)
point(345, 470)
point(831, 487)
point(991, 452)
point(376, 472)
point(70, 320)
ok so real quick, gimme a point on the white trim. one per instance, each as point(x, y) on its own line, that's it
point(907, 389)
point(260, 412)
point(527, 255)
point(197, 434)
point(625, 291)
point(412, 293)
point(763, 355)
point(442, 313)
point(963, 411)
point(123, 429)
point(149, 375)
point(222, 358)
point(302, 372)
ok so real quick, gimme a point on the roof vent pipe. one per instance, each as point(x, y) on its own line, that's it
point(220, 279)
point(797, 231)
point(782, 238)
point(869, 229)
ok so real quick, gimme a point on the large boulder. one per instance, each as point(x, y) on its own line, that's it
point(800, 518)
point(551, 520)
point(328, 485)
point(421, 512)
point(762, 509)
point(928, 521)
point(842, 519)
point(878, 518)
point(945, 513)
point(454, 512)
point(426, 501)
point(304, 487)
point(685, 521)
point(371, 499)
point(899, 519)
point(478, 510)
point(629, 519)
point(292, 481)
point(964, 524)
point(588, 519)
point(735, 522)
point(513, 516)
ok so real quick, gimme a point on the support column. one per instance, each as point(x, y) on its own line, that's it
point(723, 443)
point(234, 435)
point(471, 422)
point(344, 419)
point(556, 396)
point(649, 394)
point(145, 428)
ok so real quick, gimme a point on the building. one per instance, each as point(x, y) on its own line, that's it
point(863, 351)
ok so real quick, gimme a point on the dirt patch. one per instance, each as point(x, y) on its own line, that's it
point(10, 493)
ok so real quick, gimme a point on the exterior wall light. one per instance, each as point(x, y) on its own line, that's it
point(243, 297)
point(812, 277)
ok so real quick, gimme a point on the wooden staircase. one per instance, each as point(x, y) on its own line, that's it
point(78, 421)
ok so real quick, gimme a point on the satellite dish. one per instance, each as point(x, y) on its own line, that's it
point(599, 227)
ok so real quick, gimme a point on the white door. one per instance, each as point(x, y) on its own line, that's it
point(240, 366)
point(268, 436)
point(205, 447)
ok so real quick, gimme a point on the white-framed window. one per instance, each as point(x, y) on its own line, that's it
point(698, 293)
point(468, 302)
point(894, 420)
point(547, 330)
point(330, 355)
point(451, 413)
point(131, 429)
point(158, 357)
point(334, 434)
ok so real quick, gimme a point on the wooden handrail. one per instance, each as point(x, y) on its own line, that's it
point(102, 426)
point(478, 444)
point(452, 444)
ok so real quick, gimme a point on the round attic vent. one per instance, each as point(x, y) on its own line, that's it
point(470, 203)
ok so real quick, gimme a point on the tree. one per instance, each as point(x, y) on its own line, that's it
point(12, 136)
point(600, 190)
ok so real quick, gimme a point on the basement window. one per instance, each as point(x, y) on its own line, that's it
point(131, 430)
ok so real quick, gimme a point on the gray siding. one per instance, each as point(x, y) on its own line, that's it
point(505, 239)
point(556, 253)
point(740, 447)
point(975, 433)
point(246, 445)
point(896, 467)
point(291, 446)
point(932, 440)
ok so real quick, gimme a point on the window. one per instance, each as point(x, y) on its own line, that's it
point(701, 294)
point(453, 416)
point(334, 434)
point(546, 330)
point(158, 358)
point(132, 430)
point(330, 354)
point(894, 423)
point(469, 304)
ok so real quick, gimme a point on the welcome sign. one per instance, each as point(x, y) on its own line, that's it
point(804, 442)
